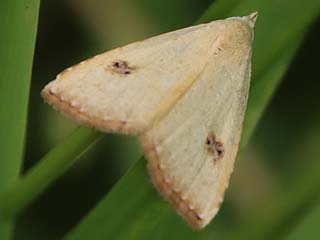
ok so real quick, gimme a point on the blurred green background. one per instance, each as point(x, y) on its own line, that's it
point(283, 148)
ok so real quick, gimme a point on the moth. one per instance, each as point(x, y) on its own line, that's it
point(184, 94)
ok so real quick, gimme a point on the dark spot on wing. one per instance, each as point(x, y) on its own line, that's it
point(214, 147)
point(121, 67)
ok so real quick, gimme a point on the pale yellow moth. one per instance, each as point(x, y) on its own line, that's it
point(184, 93)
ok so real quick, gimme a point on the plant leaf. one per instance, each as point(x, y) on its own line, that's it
point(308, 228)
point(18, 24)
point(294, 202)
point(54, 163)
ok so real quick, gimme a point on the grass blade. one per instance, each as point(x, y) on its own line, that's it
point(296, 200)
point(18, 24)
point(112, 218)
point(56, 162)
point(280, 25)
point(218, 10)
point(308, 228)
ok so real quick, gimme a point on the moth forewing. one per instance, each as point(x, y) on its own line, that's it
point(126, 89)
point(184, 93)
point(192, 149)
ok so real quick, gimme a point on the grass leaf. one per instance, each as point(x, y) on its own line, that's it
point(295, 201)
point(53, 164)
point(18, 24)
point(122, 203)
point(308, 228)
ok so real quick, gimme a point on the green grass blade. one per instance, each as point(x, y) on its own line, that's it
point(18, 24)
point(56, 162)
point(302, 195)
point(270, 65)
point(125, 200)
point(218, 10)
point(308, 228)
point(261, 92)
point(280, 25)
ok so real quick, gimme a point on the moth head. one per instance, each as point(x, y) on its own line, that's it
point(240, 30)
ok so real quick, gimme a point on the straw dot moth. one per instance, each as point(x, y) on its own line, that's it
point(189, 82)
